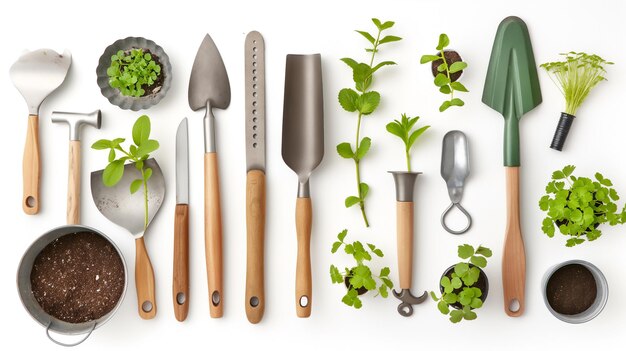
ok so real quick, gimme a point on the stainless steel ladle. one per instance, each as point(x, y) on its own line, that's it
point(454, 170)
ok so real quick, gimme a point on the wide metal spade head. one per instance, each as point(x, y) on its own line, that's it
point(123, 208)
point(303, 115)
point(36, 74)
point(512, 86)
point(209, 79)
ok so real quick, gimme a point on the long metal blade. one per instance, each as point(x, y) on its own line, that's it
point(182, 163)
point(255, 101)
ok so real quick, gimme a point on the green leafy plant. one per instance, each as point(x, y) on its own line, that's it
point(133, 71)
point(360, 277)
point(404, 130)
point(459, 290)
point(137, 154)
point(443, 78)
point(363, 102)
point(578, 205)
point(575, 76)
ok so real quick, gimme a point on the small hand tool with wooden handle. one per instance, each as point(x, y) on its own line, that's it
point(180, 283)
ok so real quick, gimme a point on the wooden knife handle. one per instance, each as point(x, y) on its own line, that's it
point(513, 256)
point(73, 184)
point(180, 284)
point(144, 280)
point(255, 229)
point(213, 234)
point(404, 225)
point(31, 167)
point(304, 289)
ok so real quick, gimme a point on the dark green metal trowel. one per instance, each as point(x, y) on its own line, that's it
point(512, 88)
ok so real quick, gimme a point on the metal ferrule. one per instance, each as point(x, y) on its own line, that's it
point(303, 189)
point(209, 129)
point(405, 184)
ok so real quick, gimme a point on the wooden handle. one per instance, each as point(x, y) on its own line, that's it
point(304, 289)
point(513, 256)
point(144, 280)
point(213, 234)
point(404, 227)
point(255, 229)
point(180, 284)
point(73, 184)
point(31, 167)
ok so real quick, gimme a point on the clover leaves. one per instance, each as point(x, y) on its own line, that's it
point(131, 71)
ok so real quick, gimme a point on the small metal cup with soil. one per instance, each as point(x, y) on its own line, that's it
point(575, 291)
point(71, 280)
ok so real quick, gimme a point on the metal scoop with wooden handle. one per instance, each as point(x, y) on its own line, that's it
point(512, 89)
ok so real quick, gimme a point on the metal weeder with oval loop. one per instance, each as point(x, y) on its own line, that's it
point(454, 170)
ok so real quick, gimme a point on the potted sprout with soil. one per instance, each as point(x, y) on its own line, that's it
point(447, 67)
point(464, 286)
point(359, 279)
point(134, 73)
point(575, 76)
point(577, 206)
point(575, 291)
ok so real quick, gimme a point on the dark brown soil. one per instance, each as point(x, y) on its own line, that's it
point(482, 284)
point(571, 289)
point(451, 57)
point(78, 277)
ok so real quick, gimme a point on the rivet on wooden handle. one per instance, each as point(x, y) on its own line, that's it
point(73, 184)
point(255, 229)
point(513, 255)
point(31, 167)
point(180, 284)
point(404, 224)
point(213, 235)
point(304, 288)
point(144, 280)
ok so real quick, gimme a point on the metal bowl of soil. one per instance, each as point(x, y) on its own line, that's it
point(71, 280)
point(575, 291)
point(153, 93)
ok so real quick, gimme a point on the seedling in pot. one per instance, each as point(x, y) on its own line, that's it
point(359, 279)
point(403, 129)
point(363, 102)
point(447, 67)
point(575, 77)
point(464, 286)
point(134, 72)
point(136, 153)
point(577, 206)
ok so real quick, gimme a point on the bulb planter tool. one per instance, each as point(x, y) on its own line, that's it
point(455, 169)
point(405, 184)
point(512, 89)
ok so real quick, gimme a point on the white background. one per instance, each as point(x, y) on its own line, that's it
point(594, 144)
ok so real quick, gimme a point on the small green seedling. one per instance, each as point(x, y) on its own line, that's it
point(404, 130)
point(458, 289)
point(577, 206)
point(137, 154)
point(443, 78)
point(360, 277)
point(131, 72)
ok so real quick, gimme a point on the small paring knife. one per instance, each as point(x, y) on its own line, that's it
point(180, 284)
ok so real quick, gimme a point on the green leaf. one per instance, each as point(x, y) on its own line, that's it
point(363, 189)
point(349, 249)
point(445, 282)
point(113, 173)
point(558, 175)
point(367, 102)
point(361, 75)
point(456, 316)
point(101, 144)
point(469, 315)
point(384, 272)
point(450, 298)
point(444, 41)
point(335, 276)
point(386, 25)
point(364, 147)
point(377, 23)
point(457, 102)
point(396, 129)
point(416, 134)
point(465, 251)
point(481, 250)
point(446, 89)
point(135, 185)
point(457, 66)
point(147, 174)
point(111, 155)
point(443, 307)
point(336, 246)
point(342, 235)
point(458, 86)
point(568, 170)
point(382, 64)
point(479, 261)
point(351, 201)
point(429, 58)
point(387, 282)
point(141, 130)
point(345, 150)
point(350, 62)
point(147, 146)
point(383, 291)
point(441, 80)
point(367, 36)
point(456, 282)
point(444, 106)
point(476, 303)
point(347, 99)
point(389, 39)
point(434, 296)
point(461, 269)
